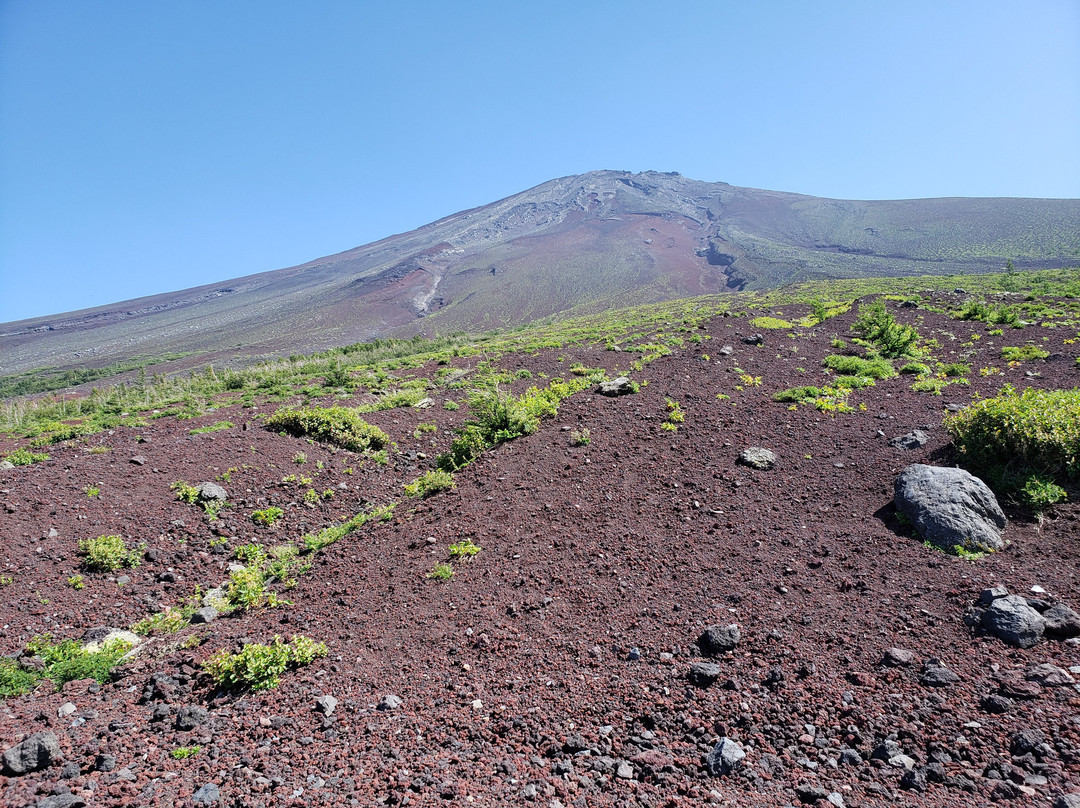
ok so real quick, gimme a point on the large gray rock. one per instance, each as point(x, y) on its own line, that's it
point(39, 751)
point(211, 492)
point(620, 386)
point(1061, 622)
point(950, 508)
point(1014, 622)
point(724, 757)
point(757, 458)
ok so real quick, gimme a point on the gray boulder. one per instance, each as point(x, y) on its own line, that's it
point(703, 674)
point(389, 702)
point(6, 465)
point(620, 386)
point(207, 795)
point(950, 508)
point(1014, 622)
point(716, 640)
point(207, 614)
point(211, 492)
point(39, 751)
point(914, 439)
point(724, 757)
point(1061, 622)
point(757, 458)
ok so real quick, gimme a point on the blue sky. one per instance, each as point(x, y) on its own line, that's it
point(147, 147)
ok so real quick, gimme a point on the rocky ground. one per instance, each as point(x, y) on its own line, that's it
point(565, 663)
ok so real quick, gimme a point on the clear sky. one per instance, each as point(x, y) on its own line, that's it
point(153, 146)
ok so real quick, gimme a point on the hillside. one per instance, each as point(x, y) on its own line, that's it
point(534, 633)
point(571, 246)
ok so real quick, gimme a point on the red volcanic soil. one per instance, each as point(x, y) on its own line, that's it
point(553, 668)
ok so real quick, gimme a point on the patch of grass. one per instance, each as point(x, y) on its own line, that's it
point(450, 405)
point(24, 457)
point(954, 369)
point(852, 382)
point(430, 483)
point(1023, 353)
point(929, 385)
point(65, 661)
point(916, 369)
point(184, 752)
point(260, 667)
point(857, 366)
point(338, 426)
point(441, 572)
point(313, 542)
point(218, 427)
point(267, 516)
point(76, 582)
point(798, 395)
point(770, 323)
point(185, 492)
point(108, 554)
point(463, 549)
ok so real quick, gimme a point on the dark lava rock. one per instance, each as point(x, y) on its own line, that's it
point(191, 716)
point(1025, 741)
point(207, 795)
point(39, 751)
point(949, 507)
point(105, 763)
point(325, 704)
point(61, 801)
point(1011, 620)
point(938, 676)
point(755, 339)
point(1068, 801)
point(207, 614)
point(703, 674)
point(913, 780)
point(996, 703)
point(1061, 622)
point(724, 757)
point(1049, 675)
point(811, 794)
point(915, 439)
point(716, 640)
point(389, 702)
point(988, 596)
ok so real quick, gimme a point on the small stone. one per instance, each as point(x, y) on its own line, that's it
point(634, 654)
point(898, 658)
point(915, 439)
point(209, 492)
point(61, 801)
point(757, 458)
point(901, 762)
point(913, 780)
point(716, 640)
point(138, 460)
point(703, 674)
point(207, 795)
point(937, 676)
point(849, 757)
point(996, 703)
point(1068, 800)
point(66, 709)
point(325, 704)
point(1049, 675)
point(724, 757)
point(70, 771)
point(811, 794)
point(53, 533)
point(624, 771)
point(105, 762)
point(207, 614)
point(754, 339)
point(389, 702)
point(619, 386)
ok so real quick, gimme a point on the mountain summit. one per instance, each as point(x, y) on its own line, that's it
point(569, 246)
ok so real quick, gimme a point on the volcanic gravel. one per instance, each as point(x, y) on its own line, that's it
point(560, 665)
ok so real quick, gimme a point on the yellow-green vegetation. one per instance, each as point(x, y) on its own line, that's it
point(173, 618)
point(675, 415)
point(62, 662)
point(463, 548)
point(441, 572)
point(857, 366)
point(24, 457)
point(770, 322)
point(339, 426)
point(249, 588)
point(878, 328)
point(184, 752)
point(313, 542)
point(108, 554)
point(424, 429)
point(267, 516)
point(185, 492)
point(498, 416)
point(580, 437)
point(1025, 443)
point(430, 483)
point(218, 427)
point(260, 667)
point(1023, 353)
point(76, 582)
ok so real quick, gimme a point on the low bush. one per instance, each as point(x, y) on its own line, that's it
point(64, 661)
point(857, 366)
point(430, 483)
point(267, 516)
point(1023, 353)
point(798, 394)
point(878, 326)
point(340, 426)
point(24, 457)
point(260, 667)
point(108, 553)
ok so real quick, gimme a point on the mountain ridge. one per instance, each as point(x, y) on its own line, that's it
point(574, 244)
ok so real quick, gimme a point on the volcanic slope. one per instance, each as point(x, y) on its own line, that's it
point(573, 245)
point(554, 665)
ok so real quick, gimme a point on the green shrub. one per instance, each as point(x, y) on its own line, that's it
point(955, 369)
point(1023, 353)
point(852, 382)
point(313, 542)
point(108, 553)
point(267, 516)
point(184, 752)
point(339, 426)
point(463, 548)
point(259, 667)
point(856, 366)
point(185, 492)
point(1039, 429)
point(878, 326)
point(441, 572)
point(1040, 493)
point(450, 405)
point(430, 483)
point(15, 680)
point(798, 394)
point(65, 661)
point(934, 386)
point(24, 457)
point(916, 369)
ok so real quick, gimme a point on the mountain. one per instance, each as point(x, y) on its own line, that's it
point(569, 246)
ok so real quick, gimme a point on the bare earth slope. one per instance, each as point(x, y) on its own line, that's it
point(569, 246)
point(552, 669)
